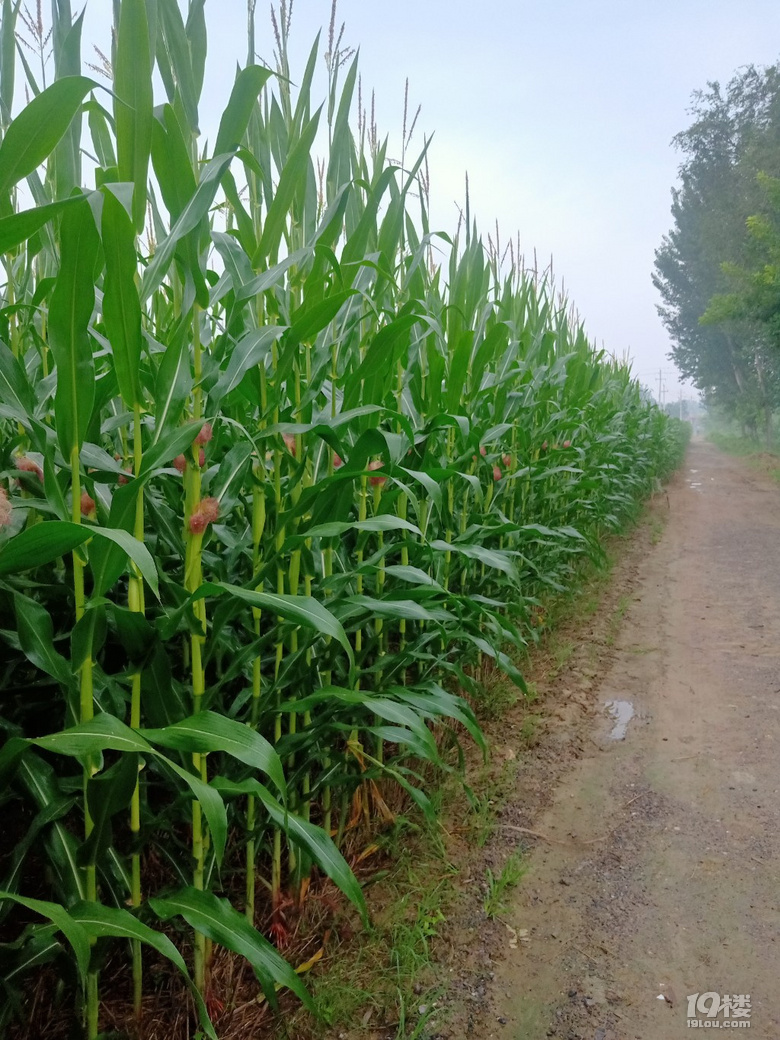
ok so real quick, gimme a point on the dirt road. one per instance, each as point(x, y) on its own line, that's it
point(662, 875)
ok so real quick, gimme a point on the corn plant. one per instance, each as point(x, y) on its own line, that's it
point(274, 487)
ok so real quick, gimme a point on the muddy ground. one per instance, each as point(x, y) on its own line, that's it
point(655, 874)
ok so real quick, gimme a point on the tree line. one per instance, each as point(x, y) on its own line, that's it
point(718, 269)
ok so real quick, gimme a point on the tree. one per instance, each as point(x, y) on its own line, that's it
point(734, 137)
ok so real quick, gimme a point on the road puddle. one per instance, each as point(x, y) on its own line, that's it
point(622, 712)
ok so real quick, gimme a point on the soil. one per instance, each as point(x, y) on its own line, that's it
point(654, 872)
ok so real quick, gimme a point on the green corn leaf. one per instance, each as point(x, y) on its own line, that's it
point(172, 163)
point(50, 814)
point(421, 747)
point(121, 306)
point(208, 731)
point(190, 217)
point(41, 544)
point(108, 793)
point(434, 702)
point(102, 139)
point(20, 226)
point(235, 119)
point(220, 922)
point(70, 312)
point(15, 389)
point(41, 947)
point(304, 610)
point(133, 103)
point(65, 163)
point(108, 560)
point(414, 575)
point(458, 371)
point(308, 321)
point(291, 181)
point(173, 167)
point(177, 57)
point(211, 803)
point(232, 468)
point(397, 609)
point(100, 921)
point(490, 557)
point(7, 58)
point(370, 382)
point(48, 541)
point(404, 715)
point(273, 276)
point(38, 128)
point(36, 637)
point(73, 931)
point(197, 39)
point(39, 781)
point(383, 522)
point(503, 661)
point(304, 834)
point(106, 733)
point(172, 387)
point(11, 754)
point(250, 350)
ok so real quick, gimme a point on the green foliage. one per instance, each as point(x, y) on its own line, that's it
point(509, 876)
point(273, 486)
point(717, 270)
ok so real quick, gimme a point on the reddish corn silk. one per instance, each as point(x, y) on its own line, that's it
point(289, 443)
point(27, 465)
point(482, 450)
point(375, 465)
point(497, 473)
point(180, 463)
point(205, 435)
point(507, 460)
point(87, 504)
point(337, 461)
point(5, 508)
point(205, 513)
point(567, 444)
point(544, 446)
point(201, 458)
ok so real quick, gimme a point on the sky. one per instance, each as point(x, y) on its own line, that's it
point(561, 111)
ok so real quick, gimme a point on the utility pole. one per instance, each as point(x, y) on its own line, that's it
point(660, 380)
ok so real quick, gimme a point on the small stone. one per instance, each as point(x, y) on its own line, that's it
point(422, 1009)
point(572, 993)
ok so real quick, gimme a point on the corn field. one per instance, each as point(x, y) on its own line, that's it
point(283, 473)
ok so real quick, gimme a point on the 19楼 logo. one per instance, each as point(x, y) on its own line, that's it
point(735, 1010)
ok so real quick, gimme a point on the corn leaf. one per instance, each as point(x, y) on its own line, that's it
point(36, 131)
point(217, 919)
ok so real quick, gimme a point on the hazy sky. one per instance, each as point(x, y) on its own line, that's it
point(561, 111)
